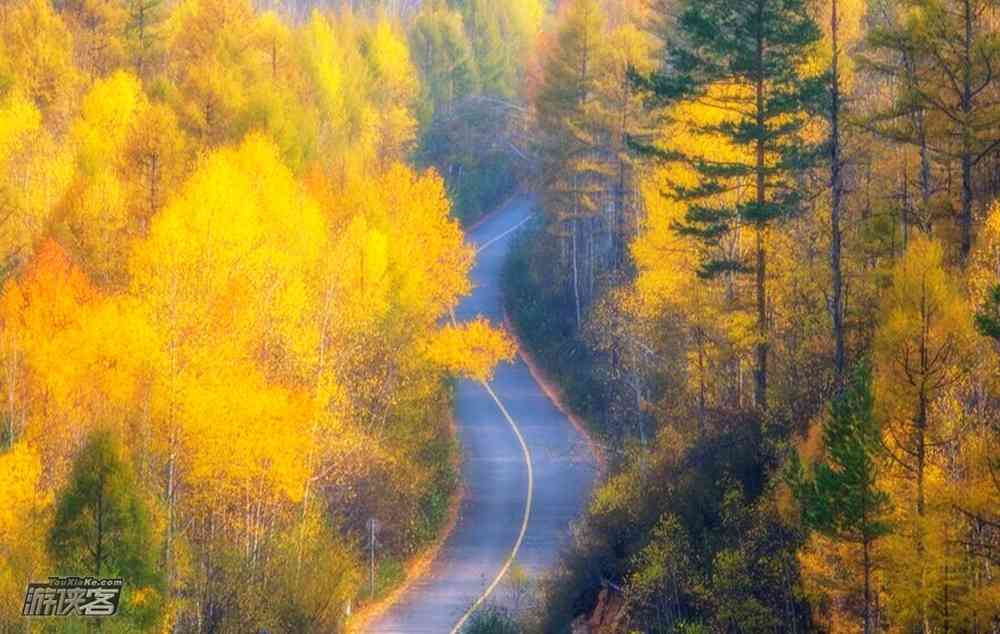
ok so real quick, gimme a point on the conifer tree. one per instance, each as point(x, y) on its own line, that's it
point(444, 56)
point(960, 46)
point(102, 527)
point(482, 23)
point(988, 316)
point(142, 33)
point(834, 115)
point(755, 50)
point(923, 349)
point(841, 497)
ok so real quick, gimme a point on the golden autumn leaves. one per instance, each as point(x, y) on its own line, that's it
point(212, 245)
point(238, 355)
point(910, 306)
point(241, 302)
point(247, 331)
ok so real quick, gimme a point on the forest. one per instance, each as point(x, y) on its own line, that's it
point(768, 275)
point(230, 238)
point(764, 272)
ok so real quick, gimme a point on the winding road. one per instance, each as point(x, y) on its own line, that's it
point(527, 471)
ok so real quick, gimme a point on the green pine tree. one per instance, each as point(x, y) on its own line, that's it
point(840, 498)
point(988, 316)
point(102, 528)
point(757, 47)
point(142, 32)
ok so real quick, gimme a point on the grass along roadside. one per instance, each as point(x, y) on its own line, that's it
point(416, 566)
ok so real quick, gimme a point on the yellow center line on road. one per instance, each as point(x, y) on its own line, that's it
point(504, 234)
point(527, 461)
point(524, 522)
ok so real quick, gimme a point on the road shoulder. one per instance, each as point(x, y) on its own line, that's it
point(420, 563)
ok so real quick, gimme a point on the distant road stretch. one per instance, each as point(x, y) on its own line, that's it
point(527, 471)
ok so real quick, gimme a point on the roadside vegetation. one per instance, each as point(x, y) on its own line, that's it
point(765, 272)
point(228, 239)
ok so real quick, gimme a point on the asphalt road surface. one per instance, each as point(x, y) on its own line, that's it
point(517, 496)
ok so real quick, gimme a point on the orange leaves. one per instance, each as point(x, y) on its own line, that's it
point(82, 346)
point(269, 311)
point(252, 335)
point(42, 312)
point(50, 291)
point(55, 351)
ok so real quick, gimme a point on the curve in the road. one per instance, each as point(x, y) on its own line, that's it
point(524, 522)
point(527, 471)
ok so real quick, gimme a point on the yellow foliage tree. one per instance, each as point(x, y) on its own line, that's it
point(222, 278)
point(472, 349)
point(99, 34)
point(721, 327)
point(268, 346)
point(42, 315)
point(34, 173)
point(24, 519)
point(97, 205)
point(923, 348)
point(209, 50)
point(395, 87)
point(36, 52)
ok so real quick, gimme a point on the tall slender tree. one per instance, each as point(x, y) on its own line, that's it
point(745, 59)
point(923, 348)
point(572, 169)
point(442, 53)
point(102, 526)
point(483, 24)
point(142, 35)
point(836, 198)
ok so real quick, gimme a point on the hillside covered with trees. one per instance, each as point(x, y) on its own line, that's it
point(767, 273)
point(230, 239)
point(765, 270)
